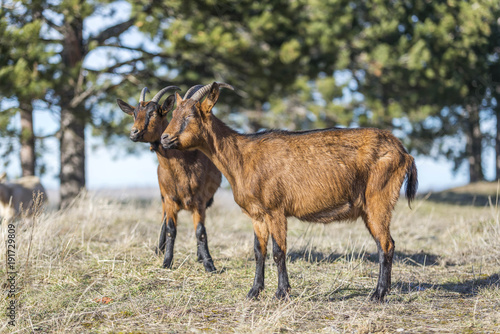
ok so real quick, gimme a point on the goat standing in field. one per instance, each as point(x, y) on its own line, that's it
point(317, 176)
point(188, 180)
point(21, 196)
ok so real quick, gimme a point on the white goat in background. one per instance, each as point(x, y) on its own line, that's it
point(20, 197)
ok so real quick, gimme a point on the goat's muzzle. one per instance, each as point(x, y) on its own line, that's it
point(169, 142)
point(135, 134)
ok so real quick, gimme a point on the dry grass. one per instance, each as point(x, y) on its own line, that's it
point(445, 276)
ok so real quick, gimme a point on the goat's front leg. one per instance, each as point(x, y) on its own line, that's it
point(278, 227)
point(171, 233)
point(260, 248)
point(202, 241)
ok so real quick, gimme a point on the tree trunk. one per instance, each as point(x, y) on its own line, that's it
point(27, 139)
point(474, 144)
point(497, 145)
point(72, 140)
point(497, 137)
point(72, 148)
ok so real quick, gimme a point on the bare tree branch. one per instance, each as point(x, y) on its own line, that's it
point(54, 26)
point(51, 41)
point(113, 31)
point(119, 45)
point(81, 97)
point(55, 134)
point(118, 65)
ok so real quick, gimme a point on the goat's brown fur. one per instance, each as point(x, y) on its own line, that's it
point(318, 176)
point(187, 180)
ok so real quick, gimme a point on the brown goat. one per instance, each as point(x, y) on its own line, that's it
point(188, 180)
point(317, 176)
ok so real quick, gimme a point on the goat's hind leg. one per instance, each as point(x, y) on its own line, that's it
point(378, 225)
point(278, 227)
point(163, 234)
point(385, 255)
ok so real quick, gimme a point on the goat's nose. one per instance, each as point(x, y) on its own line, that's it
point(134, 134)
point(164, 137)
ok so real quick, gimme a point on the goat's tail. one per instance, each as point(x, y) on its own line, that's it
point(411, 180)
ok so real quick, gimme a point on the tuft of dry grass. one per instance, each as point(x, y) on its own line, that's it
point(92, 268)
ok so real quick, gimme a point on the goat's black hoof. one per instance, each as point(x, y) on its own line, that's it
point(167, 264)
point(282, 294)
point(209, 267)
point(254, 292)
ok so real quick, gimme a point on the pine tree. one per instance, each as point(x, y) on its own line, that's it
point(423, 62)
point(21, 76)
point(57, 39)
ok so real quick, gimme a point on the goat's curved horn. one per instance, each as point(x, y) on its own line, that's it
point(191, 91)
point(143, 94)
point(158, 95)
point(200, 93)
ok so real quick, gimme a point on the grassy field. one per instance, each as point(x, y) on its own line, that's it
point(93, 269)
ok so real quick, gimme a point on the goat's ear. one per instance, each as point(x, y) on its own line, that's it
point(211, 99)
point(178, 98)
point(125, 107)
point(167, 104)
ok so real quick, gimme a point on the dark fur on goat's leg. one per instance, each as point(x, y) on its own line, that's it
point(261, 236)
point(378, 223)
point(384, 278)
point(279, 256)
point(171, 230)
point(258, 282)
point(201, 239)
point(163, 234)
point(203, 252)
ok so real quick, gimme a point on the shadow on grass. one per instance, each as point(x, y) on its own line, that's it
point(313, 256)
point(341, 295)
point(467, 288)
